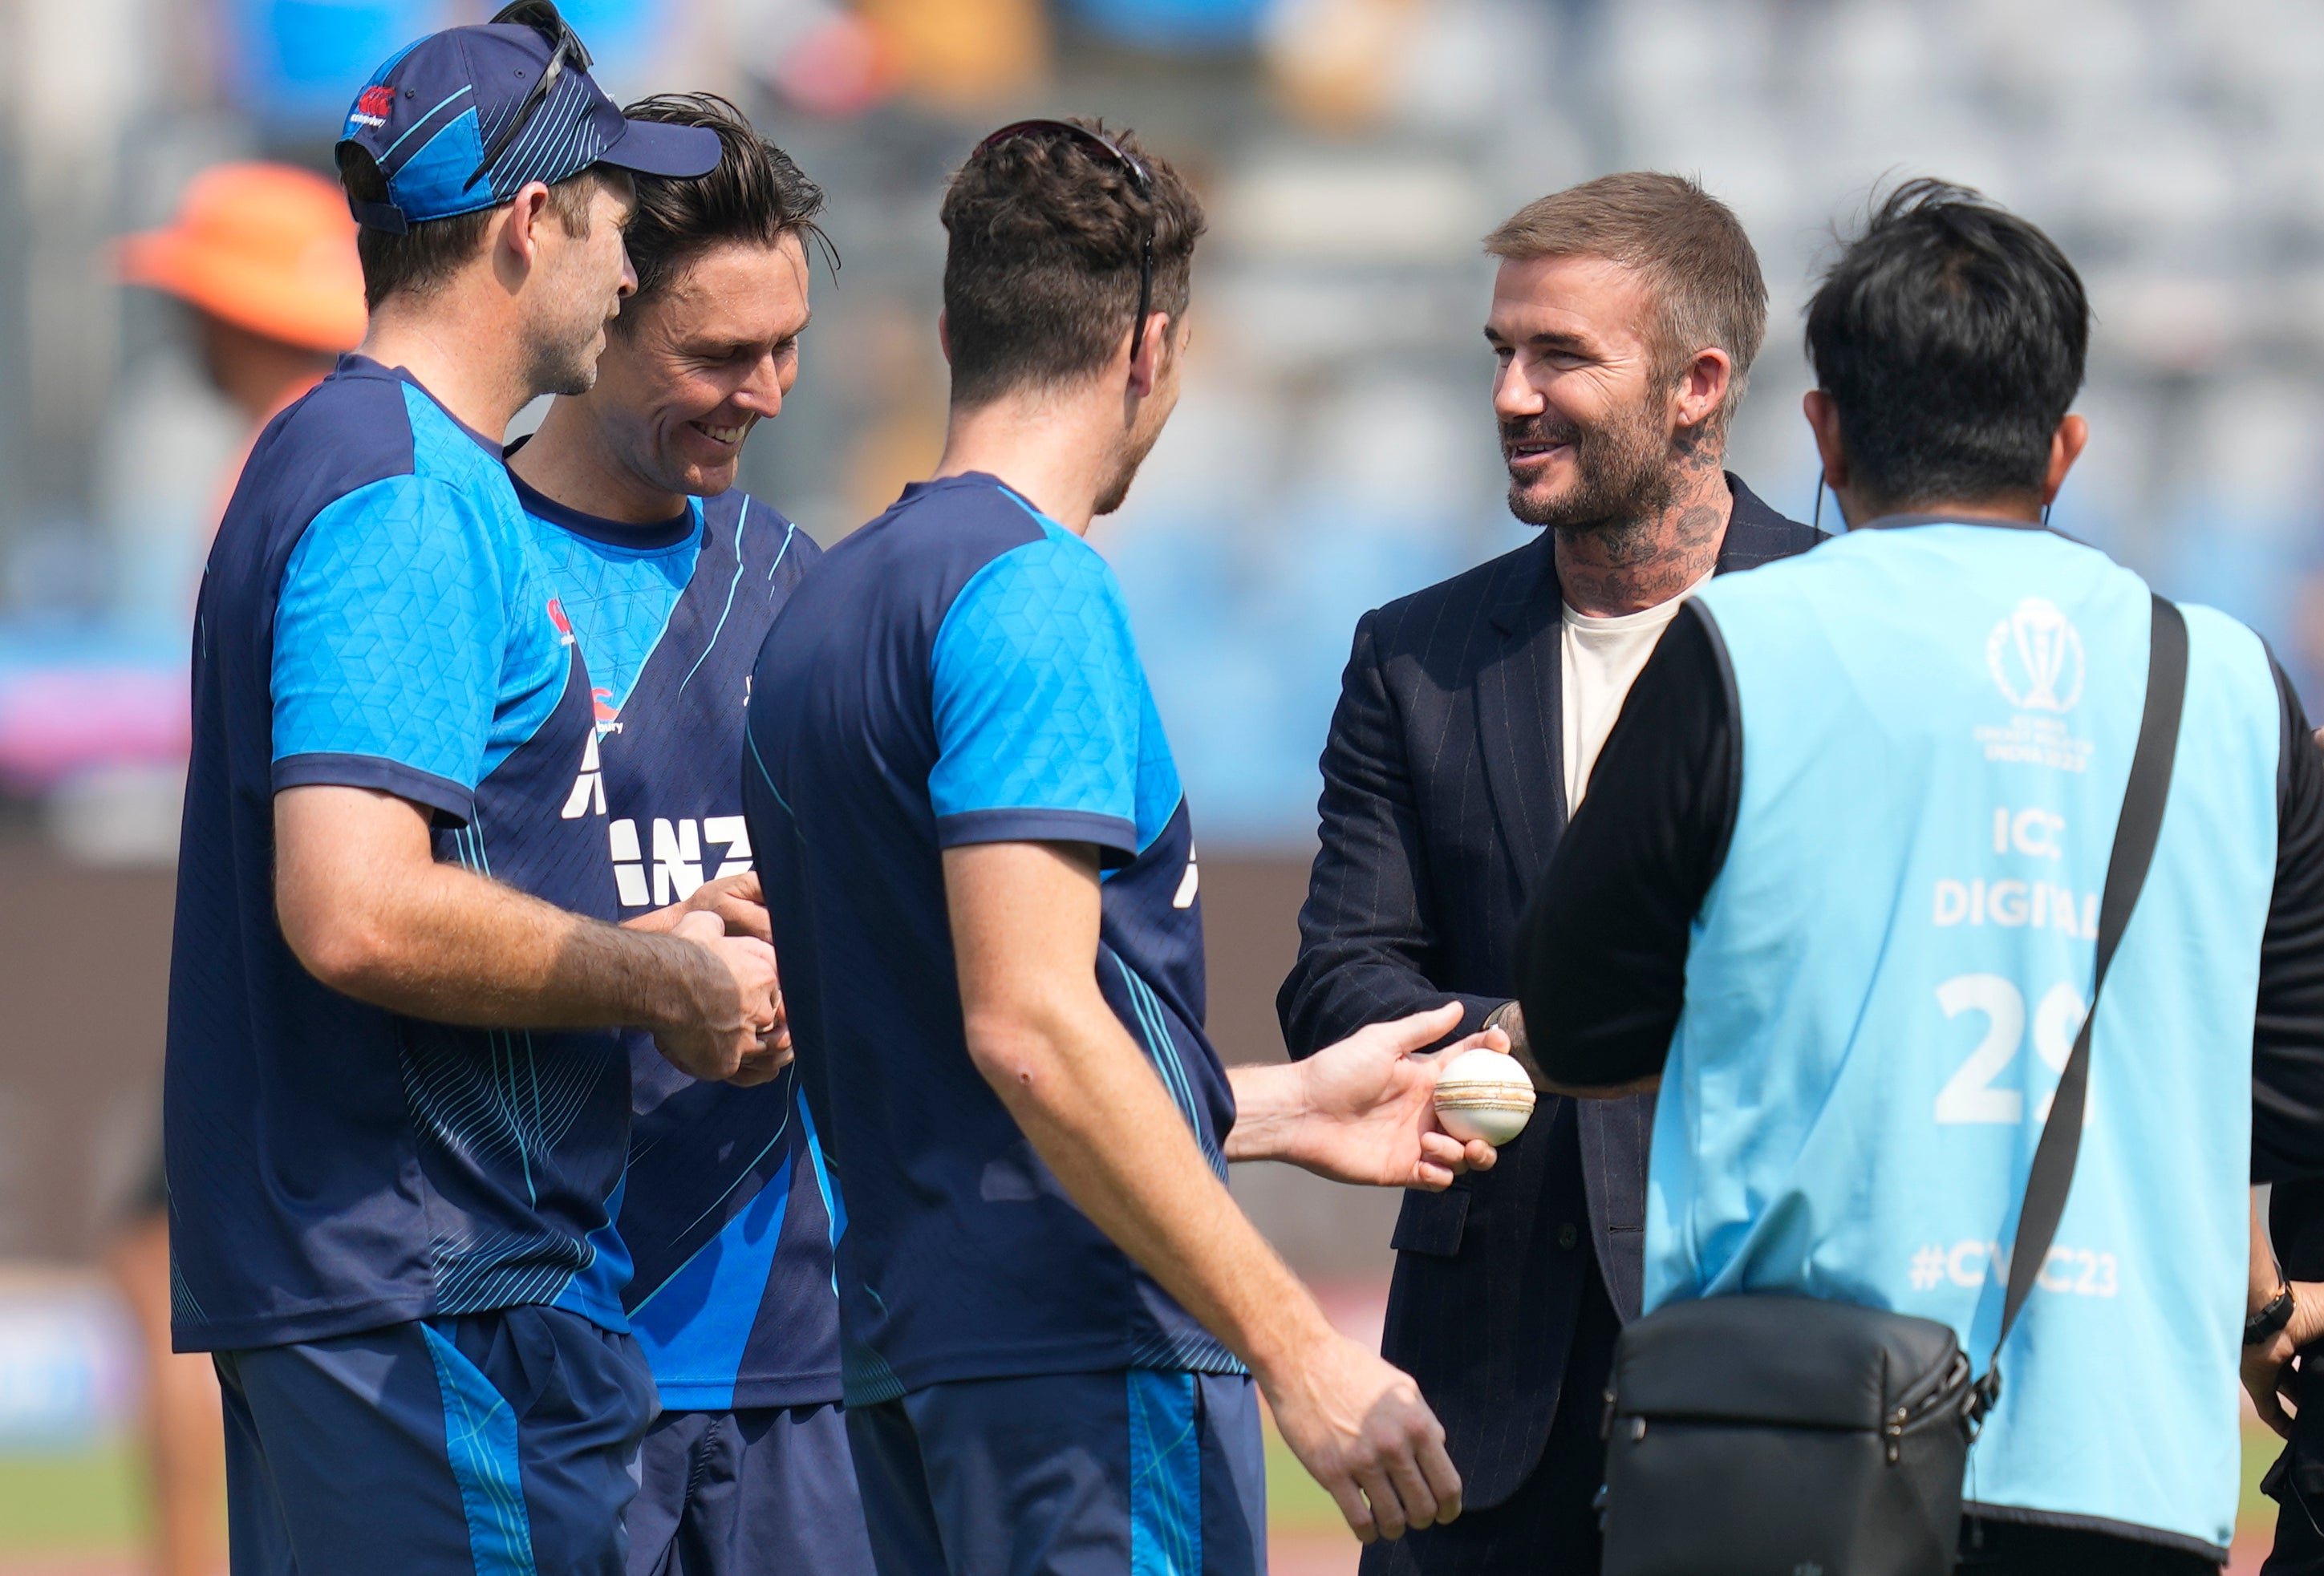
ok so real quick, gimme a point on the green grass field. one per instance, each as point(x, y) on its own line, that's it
point(1296, 1503)
point(90, 1501)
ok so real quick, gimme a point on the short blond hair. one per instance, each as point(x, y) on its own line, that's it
point(1689, 245)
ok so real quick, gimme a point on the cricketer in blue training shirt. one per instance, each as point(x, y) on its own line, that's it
point(668, 578)
point(961, 672)
point(724, 1209)
point(981, 883)
point(394, 1232)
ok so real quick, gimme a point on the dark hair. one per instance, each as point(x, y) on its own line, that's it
point(1690, 246)
point(756, 193)
point(1950, 335)
point(432, 251)
point(1041, 273)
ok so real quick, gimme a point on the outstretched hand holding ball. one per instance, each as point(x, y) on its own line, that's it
point(1484, 1095)
point(1360, 1110)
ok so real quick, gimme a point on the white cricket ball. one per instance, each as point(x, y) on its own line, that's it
point(1484, 1094)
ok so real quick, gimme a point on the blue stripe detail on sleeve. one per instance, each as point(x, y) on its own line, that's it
point(759, 764)
point(695, 1326)
point(1165, 1475)
point(480, 1440)
point(1038, 696)
point(1159, 790)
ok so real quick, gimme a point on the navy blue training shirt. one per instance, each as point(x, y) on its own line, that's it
point(723, 1209)
point(373, 616)
point(960, 670)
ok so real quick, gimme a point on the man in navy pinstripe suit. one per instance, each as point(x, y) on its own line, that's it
point(1624, 316)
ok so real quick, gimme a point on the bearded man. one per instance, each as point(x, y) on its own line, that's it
point(1624, 316)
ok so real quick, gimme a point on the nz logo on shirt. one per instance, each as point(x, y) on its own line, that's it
point(2035, 656)
point(676, 866)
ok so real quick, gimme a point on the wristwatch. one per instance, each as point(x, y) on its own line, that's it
point(2270, 1319)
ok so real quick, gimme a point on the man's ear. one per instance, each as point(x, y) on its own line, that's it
point(944, 336)
point(1824, 421)
point(1146, 355)
point(518, 234)
point(2066, 445)
point(1702, 386)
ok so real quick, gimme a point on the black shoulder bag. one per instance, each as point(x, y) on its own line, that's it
point(1765, 1436)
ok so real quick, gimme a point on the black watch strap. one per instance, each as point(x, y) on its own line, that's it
point(2270, 1319)
point(1498, 1017)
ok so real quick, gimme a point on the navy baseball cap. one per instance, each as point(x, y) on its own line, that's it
point(460, 120)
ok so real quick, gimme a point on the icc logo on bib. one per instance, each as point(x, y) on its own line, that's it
point(2035, 655)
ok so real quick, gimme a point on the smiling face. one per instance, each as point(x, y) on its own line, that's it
point(1584, 407)
point(687, 375)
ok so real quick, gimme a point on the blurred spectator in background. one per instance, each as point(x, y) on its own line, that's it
point(264, 257)
point(184, 1433)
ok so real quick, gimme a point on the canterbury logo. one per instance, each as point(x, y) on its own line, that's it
point(372, 107)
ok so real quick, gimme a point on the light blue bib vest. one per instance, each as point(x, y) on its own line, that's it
point(1890, 970)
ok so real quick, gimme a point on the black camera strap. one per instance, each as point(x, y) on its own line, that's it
point(2135, 834)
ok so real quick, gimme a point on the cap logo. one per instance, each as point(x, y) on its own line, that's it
point(454, 134)
point(372, 105)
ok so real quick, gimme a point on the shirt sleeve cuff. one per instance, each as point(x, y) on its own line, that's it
point(452, 803)
point(1116, 837)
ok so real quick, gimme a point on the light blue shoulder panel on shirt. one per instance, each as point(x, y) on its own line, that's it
point(1041, 709)
point(412, 644)
point(619, 598)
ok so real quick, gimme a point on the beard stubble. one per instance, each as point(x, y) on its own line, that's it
point(1627, 473)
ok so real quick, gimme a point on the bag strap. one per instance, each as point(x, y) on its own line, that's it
point(2135, 837)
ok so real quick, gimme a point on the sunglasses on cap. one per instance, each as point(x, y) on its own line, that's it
point(1133, 170)
point(543, 18)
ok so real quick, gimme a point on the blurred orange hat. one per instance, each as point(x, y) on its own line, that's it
point(268, 247)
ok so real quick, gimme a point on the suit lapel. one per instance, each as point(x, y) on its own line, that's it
point(1520, 689)
point(1756, 534)
point(1520, 715)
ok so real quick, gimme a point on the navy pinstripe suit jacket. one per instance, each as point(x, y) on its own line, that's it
point(1444, 797)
